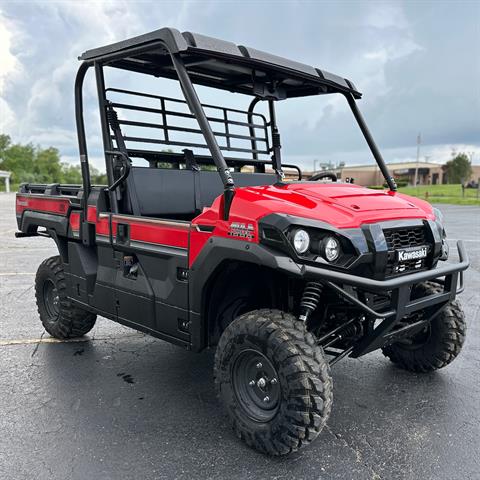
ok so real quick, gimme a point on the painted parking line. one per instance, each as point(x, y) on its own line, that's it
point(24, 249)
point(13, 274)
point(37, 341)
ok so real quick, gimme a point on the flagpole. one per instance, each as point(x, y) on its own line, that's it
point(419, 141)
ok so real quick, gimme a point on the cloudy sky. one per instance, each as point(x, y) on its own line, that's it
point(416, 62)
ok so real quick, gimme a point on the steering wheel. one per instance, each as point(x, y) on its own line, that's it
point(322, 175)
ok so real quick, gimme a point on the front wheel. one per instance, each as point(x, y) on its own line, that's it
point(273, 380)
point(438, 344)
point(59, 316)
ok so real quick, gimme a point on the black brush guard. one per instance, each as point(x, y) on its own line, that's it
point(450, 276)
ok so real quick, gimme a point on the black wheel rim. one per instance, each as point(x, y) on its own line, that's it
point(256, 385)
point(51, 299)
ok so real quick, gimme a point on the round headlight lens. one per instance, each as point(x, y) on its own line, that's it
point(331, 249)
point(301, 241)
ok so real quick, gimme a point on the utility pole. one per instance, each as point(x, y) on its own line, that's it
point(419, 141)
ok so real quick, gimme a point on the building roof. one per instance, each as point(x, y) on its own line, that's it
point(218, 63)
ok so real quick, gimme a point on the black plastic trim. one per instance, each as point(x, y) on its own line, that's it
point(31, 220)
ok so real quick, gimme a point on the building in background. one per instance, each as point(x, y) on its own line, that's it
point(429, 173)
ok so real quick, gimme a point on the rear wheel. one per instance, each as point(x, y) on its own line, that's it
point(59, 316)
point(273, 380)
point(438, 344)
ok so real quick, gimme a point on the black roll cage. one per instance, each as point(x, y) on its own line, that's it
point(269, 91)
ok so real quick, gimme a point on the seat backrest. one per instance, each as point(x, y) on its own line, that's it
point(163, 191)
point(170, 192)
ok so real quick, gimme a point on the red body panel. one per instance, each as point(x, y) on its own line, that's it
point(74, 221)
point(158, 232)
point(42, 203)
point(91, 214)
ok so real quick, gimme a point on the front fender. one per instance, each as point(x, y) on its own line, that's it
point(218, 250)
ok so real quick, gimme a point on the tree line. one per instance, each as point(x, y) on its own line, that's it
point(33, 164)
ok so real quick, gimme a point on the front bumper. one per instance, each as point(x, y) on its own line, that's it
point(449, 275)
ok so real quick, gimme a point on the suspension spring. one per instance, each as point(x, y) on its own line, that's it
point(310, 299)
point(350, 329)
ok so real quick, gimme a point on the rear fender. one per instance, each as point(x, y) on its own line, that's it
point(31, 220)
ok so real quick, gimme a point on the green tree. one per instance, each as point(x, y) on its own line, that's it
point(459, 169)
point(97, 178)
point(71, 174)
point(5, 142)
point(19, 159)
point(47, 166)
point(31, 164)
point(41, 165)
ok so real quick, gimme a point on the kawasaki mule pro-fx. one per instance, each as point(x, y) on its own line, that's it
point(210, 246)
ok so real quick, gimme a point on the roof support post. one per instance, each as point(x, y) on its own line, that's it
point(82, 142)
point(371, 143)
point(196, 108)
point(107, 141)
point(276, 144)
point(251, 129)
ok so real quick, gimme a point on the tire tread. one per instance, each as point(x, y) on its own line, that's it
point(309, 381)
point(72, 321)
point(453, 330)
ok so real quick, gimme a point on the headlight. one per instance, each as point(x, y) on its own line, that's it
point(331, 248)
point(441, 230)
point(301, 241)
point(309, 244)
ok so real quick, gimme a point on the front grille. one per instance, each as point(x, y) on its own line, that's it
point(398, 238)
point(405, 237)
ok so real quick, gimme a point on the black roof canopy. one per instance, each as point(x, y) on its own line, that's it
point(219, 64)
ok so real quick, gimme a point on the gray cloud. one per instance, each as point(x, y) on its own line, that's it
point(416, 63)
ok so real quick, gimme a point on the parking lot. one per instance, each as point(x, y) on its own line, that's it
point(121, 405)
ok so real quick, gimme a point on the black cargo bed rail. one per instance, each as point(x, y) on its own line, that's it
point(52, 189)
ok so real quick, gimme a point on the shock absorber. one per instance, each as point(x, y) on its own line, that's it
point(310, 300)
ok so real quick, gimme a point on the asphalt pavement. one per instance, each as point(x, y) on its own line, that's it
point(121, 405)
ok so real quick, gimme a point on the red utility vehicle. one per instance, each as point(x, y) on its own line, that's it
point(283, 278)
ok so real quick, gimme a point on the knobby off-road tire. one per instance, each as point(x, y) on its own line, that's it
point(60, 318)
point(436, 347)
point(295, 402)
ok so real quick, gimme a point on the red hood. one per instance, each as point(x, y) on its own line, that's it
point(341, 205)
